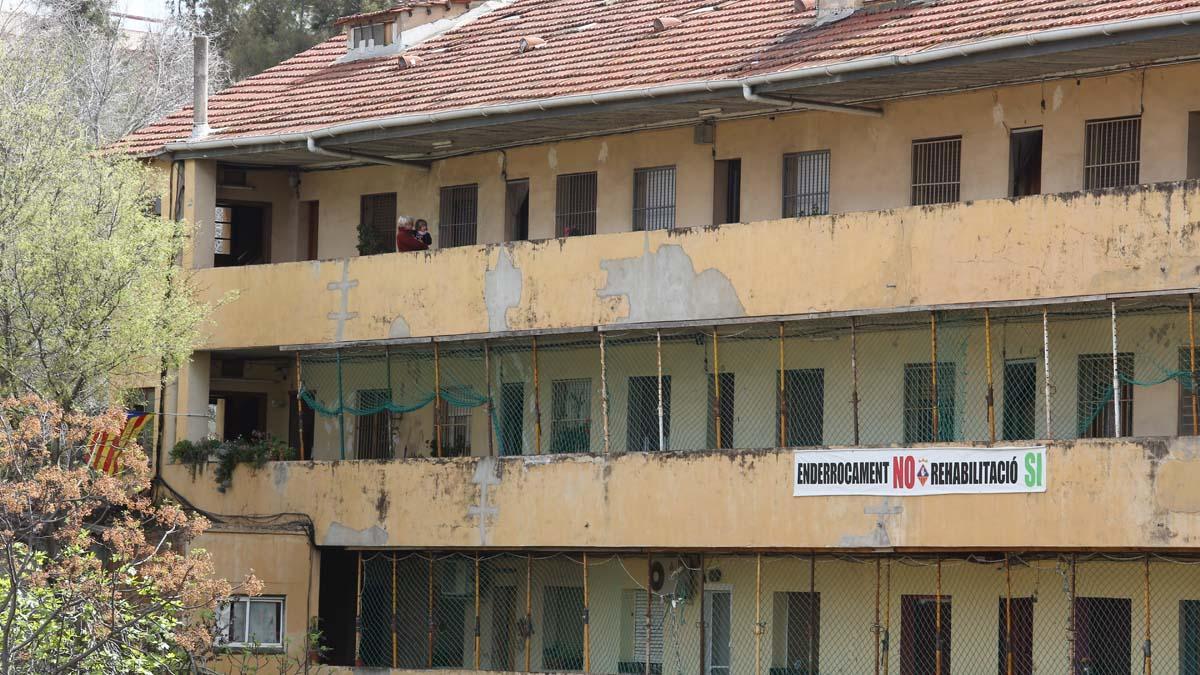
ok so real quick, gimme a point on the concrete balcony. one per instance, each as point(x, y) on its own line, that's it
point(1140, 239)
point(1100, 494)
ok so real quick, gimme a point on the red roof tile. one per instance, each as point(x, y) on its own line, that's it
point(605, 45)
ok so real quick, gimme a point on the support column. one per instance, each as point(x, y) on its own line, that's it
point(199, 211)
point(190, 410)
point(1116, 377)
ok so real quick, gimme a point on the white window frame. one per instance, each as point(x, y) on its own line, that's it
point(225, 621)
point(356, 42)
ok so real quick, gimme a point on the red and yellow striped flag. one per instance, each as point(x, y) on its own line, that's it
point(104, 449)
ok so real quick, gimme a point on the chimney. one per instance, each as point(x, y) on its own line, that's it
point(200, 87)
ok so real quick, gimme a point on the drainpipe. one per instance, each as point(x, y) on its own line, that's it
point(374, 159)
point(774, 101)
point(200, 86)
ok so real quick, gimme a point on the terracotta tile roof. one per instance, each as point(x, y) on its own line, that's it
point(405, 6)
point(603, 45)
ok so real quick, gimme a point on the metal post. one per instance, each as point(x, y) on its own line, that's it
point(587, 620)
point(1072, 617)
point(432, 625)
point(716, 388)
point(1192, 363)
point(1008, 653)
point(991, 390)
point(395, 644)
point(887, 622)
point(477, 626)
point(341, 410)
point(662, 438)
point(437, 397)
point(537, 404)
point(1116, 378)
point(528, 610)
point(1146, 650)
point(937, 639)
point(782, 393)
point(491, 403)
point(299, 405)
point(1046, 368)
point(758, 626)
point(358, 611)
point(876, 626)
point(649, 602)
point(812, 610)
point(703, 636)
point(933, 372)
point(604, 392)
point(854, 374)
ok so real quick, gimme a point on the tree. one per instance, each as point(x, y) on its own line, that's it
point(94, 575)
point(254, 35)
point(90, 289)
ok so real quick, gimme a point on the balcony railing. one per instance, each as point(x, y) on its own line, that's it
point(1122, 367)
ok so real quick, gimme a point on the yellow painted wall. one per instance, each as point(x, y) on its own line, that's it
point(1101, 494)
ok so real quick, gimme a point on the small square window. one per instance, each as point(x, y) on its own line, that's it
point(250, 622)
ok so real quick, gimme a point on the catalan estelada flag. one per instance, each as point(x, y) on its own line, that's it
point(105, 449)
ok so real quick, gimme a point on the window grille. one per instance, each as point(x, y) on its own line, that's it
point(459, 216)
point(374, 433)
point(455, 422)
point(654, 198)
point(575, 207)
point(936, 170)
point(377, 213)
point(806, 184)
point(1112, 154)
point(570, 414)
point(919, 403)
point(1095, 399)
point(643, 413)
point(803, 407)
point(1186, 426)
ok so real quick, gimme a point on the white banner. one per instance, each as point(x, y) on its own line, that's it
point(915, 472)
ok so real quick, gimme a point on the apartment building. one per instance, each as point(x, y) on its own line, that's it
point(756, 336)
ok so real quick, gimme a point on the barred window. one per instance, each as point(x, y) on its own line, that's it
point(803, 407)
point(570, 416)
point(919, 403)
point(575, 206)
point(455, 423)
point(373, 437)
point(1112, 153)
point(654, 198)
point(1094, 409)
point(724, 408)
point(806, 184)
point(459, 216)
point(936, 170)
point(377, 215)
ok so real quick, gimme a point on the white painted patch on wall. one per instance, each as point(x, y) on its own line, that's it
point(1058, 98)
point(552, 158)
point(998, 114)
point(603, 152)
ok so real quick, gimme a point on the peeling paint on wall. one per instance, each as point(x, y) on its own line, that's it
point(399, 328)
point(663, 285)
point(340, 535)
point(502, 290)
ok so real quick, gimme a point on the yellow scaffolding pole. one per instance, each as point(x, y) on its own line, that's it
point(933, 370)
point(716, 390)
point(437, 397)
point(587, 624)
point(1148, 668)
point(604, 392)
point(782, 393)
point(991, 391)
point(937, 641)
point(537, 402)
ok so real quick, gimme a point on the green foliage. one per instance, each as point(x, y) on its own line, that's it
point(90, 291)
point(371, 241)
point(255, 451)
point(254, 35)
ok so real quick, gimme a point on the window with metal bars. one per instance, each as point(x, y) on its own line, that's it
point(459, 216)
point(455, 423)
point(374, 435)
point(806, 184)
point(797, 619)
point(936, 170)
point(1094, 408)
point(643, 413)
point(1112, 152)
point(920, 421)
point(571, 416)
point(803, 407)
point(575, 205)
point(654, 198)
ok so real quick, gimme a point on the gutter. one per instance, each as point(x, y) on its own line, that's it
point(789, 102)
point(311, 144)
point(798, 75)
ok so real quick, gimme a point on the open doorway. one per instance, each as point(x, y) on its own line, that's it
point(239, 235)
point(1025, 162)
point(727, 191)
point(516, 210)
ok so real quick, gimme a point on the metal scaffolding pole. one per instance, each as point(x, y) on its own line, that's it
point(528, 611)
point(662, 439)
point(587, 622)
point(1046, 367)
point(933, 370)
point(716, 388)
point(358, 612)
point(854, 375)
point(429, 616)
point(341, 409)
point(491, 403)
point(649, 604)
point(875, 627)
point(1116, 377)
point(1008, 653)
point(300, 406)
point(604, 393)
point(937, 640)
point(437, 397)
point(703, 635)
point(537, 402)
point(991, 391)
